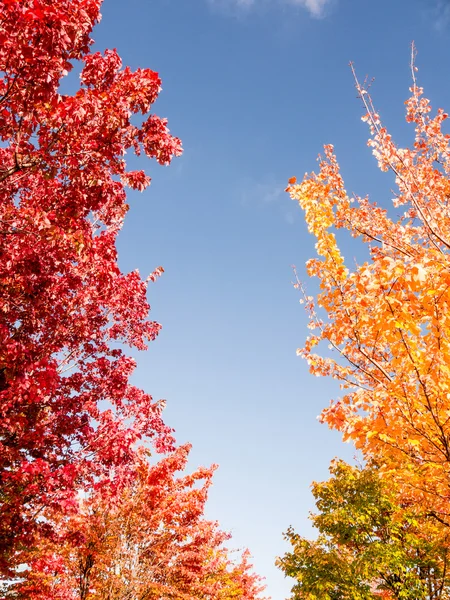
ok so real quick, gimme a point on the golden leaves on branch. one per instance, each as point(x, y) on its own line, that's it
point(387, 321)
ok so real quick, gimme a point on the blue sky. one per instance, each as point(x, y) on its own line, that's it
point(254, 88)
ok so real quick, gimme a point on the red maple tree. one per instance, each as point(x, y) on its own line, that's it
point(68, 414)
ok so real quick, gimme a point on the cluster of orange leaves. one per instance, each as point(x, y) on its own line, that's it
point(149, 541)
point(387, 321)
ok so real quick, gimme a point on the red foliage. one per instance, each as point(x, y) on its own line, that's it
point(68, 414)
point(151, 540)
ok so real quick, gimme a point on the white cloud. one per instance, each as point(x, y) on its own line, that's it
point(232, 5)
point(316, 8)
point(261, 192)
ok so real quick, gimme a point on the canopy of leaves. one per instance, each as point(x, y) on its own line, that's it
point(388, 320)
point(369, 546)
point(149, 541)
point(68, 414)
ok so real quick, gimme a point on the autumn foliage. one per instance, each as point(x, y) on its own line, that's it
point(84, 512)
point(63, 300)
point(149, 541)
point(387, 319)
point(381, 327)
point(369, 545)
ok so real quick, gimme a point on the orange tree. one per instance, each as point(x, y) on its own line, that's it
point(388, 320)
point(148, 541)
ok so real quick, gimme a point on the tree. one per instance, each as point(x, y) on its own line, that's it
point(69, 417)
point(387, 320)
point(369, 546)
point(149, 541)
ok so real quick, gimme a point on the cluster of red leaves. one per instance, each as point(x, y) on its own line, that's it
point(68, 415)
point(149, 541)
point(83, 512)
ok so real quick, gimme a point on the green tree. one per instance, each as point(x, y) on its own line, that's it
point(369, 544)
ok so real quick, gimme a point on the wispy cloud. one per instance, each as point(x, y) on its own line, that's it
point(438, 12)
point(268, 195)
point(316, 8)
point(262, 193)
point(442, 14)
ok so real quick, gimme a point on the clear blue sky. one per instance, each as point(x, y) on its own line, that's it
point(254, 88)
